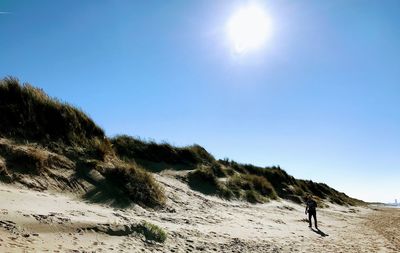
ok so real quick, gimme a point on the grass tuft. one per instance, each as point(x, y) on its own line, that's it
point(203, 180)
point(152, 232)
point(30, 161)
point(137, 184)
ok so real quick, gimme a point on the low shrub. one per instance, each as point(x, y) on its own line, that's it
point(251, 183)
point(4, 175)
point(261, 185)
point(254, 197)
point(217, 170)
point(101, 149)
point(26, 161)
point(226, 193)
point(130, 148)
point(137, 184)
point(152, 232)
point(203, 180)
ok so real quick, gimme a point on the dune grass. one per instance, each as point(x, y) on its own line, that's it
point(130, 148)
point(152, 232)
point(136, 184)
point(204, 180)
point(242, 181)
point(253, 188)
point(4, 175)
point(257, 185)
point(28, 113)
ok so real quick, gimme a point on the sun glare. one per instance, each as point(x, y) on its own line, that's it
point(249, 28)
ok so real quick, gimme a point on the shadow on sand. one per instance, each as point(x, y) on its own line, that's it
point(318, 231)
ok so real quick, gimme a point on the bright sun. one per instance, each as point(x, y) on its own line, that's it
point(249, 28)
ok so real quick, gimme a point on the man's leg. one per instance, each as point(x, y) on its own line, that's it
point(309, 218)
point(315, 220)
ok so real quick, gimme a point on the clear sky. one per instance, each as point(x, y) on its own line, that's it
point(320, 98)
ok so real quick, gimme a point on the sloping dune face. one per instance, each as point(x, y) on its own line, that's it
point(28, 113)
point(46, 144)
point(67, 187)
point(192, 222)
point(50, 144)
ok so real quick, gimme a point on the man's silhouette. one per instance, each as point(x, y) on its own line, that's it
point(311, 209)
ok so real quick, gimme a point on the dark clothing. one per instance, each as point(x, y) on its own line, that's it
point(312, 214)
point(311, 205)
point(311, 209)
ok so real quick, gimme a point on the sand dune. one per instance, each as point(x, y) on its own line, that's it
point(33, 221)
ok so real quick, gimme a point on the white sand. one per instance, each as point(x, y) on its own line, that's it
point(32, 221)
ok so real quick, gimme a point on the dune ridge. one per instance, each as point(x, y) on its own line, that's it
point(48, 142)
point(67, 187)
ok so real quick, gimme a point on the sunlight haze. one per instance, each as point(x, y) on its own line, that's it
point(249, 28)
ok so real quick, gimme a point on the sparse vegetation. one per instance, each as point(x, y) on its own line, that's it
point(26, 160)
point(204, 180)
point(4, 175)
point(251, 187)
point(137, 184)
point(28, 115)
point(152, 232)
point(30, 161)
point(253, 197)
point(255, 189)
point(130, 148)
point(257, 185)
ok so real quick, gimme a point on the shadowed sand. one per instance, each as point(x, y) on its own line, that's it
point(32, 221)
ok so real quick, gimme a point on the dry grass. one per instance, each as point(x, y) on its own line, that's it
point(129, 148)
point(151, 232)
point(204, 180)
point(23, 159)
point(252, 187)
point(137, 184)
point(28, 113)
point(4, 174)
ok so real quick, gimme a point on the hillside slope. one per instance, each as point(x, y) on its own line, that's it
point(225, 178)
point(47, 144)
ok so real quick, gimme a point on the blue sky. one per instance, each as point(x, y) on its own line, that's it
point(321, 98)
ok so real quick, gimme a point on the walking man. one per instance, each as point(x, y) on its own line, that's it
point(311, 209)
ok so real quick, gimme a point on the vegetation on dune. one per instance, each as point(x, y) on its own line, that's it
point(4, 175)
point(130, 148)
point(256, 183)
point(136, 184)
point(225, 178)
point(27, 114)
point(151, 232)
point(204, 180)
point(26, 161)
point(255, 189)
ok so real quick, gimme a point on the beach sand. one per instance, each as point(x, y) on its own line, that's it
point(33, 221)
